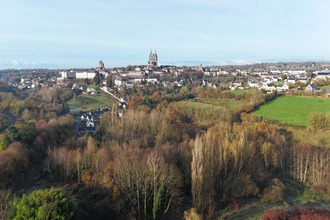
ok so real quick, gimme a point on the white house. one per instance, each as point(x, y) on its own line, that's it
point(86, 75)
point(323, 75)
point(282, 87)
point(311, 88)
point(268, 87)
point(253, 83)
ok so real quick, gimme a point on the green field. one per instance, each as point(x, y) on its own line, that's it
point(231, 104)
point(324, 87)
point(293, 110)
point(85, 102)
point(240, 91)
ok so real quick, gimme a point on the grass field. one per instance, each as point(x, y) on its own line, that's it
point(84, 102)
point(231, 104)
point(240, 91)
point(293, 110)
point(324, 87)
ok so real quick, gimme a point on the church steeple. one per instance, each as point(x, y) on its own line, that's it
point(153, 60)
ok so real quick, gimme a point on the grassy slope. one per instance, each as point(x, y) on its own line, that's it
point(84, 102)
point(232, 104)
point(240, 91)
point(324, 87)
point(293, 110)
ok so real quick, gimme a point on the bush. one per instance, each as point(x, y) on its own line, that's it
point(191, 214)
point(44, 204)
point(298, 213)
point(242, 186)
point(274, 192)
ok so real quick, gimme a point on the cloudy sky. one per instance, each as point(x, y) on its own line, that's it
point(78, 33)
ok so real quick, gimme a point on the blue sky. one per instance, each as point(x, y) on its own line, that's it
point(72, 33)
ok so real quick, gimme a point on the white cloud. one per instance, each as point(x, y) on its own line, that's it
point(14, 62)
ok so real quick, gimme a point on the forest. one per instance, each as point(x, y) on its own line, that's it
point(160, 160)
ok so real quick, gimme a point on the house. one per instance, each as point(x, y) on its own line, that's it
point(91, 91)
point(282, 87)
point(253, 83)
point(235, 85)
point(268, 87)
point(323, 75)
point(120, 82)
point(311, 88)
point(302, 79)
point(291, 80)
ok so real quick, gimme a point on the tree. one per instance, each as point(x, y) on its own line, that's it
point(13, 133)
point(149, 185)
point(6, 197)
point(28, 131)
point(44, 204)
point(5, 141)
point(309, 73)
point(317, 121)
point(96, 80)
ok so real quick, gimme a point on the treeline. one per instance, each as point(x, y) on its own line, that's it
point(44, 103)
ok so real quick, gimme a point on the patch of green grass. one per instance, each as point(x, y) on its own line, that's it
point(278, 82)
point(309, 196)
point(292, 109)
point(198, 112)
point(86, 102)
point(232, 104)
point(240, 91)
point(319, 138)
point(324, 87)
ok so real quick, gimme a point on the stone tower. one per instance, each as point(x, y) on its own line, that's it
point(101, 65)
point(153, 60)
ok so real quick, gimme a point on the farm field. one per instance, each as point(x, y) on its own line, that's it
point(231, 104)
point(240, 91)
point(86, 102)
point(292, 109)
point(324, 87)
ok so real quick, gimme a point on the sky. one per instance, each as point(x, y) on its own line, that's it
point(79, 33)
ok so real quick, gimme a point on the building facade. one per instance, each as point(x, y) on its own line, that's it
point(153, 60)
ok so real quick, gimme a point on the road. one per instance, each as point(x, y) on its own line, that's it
point(115, 98)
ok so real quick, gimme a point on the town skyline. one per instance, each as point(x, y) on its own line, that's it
point(40, 34)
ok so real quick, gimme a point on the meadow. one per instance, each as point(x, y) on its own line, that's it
point(293, 110)
point(84, 102)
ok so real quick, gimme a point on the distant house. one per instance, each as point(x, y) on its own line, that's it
point(268, 87)
point(291, 80)
point(253, 83)
point(282, 87)
point(311, 88)
point(90, 124)
point(303, 79)
point(323, 75)
point(235, 84)
point(91, 91)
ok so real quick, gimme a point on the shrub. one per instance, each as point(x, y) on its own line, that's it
point(274, 192)
point(191, 214)
point(242, 186)
point(233, 205)
point(298, 213)
point(44, 204)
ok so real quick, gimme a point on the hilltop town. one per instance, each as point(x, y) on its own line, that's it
point(270, 77)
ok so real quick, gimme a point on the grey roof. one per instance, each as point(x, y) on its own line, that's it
point(313, 86)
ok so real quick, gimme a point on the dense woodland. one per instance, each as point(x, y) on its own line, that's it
point(159, 161)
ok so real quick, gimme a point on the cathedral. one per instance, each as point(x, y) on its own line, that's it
point(153, 60)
